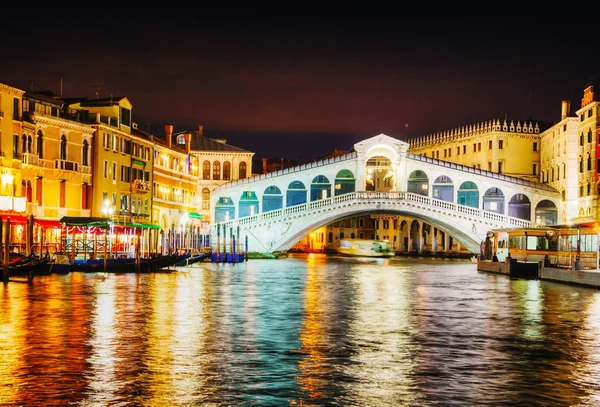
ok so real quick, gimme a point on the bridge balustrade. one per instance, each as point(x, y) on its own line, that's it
point(388, 197)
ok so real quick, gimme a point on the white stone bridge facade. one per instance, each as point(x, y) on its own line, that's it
point(271, 212)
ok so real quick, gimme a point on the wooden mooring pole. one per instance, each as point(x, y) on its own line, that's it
point(4, 261)
point(6, 250)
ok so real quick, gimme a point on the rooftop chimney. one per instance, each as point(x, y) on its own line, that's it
point(168, 134)
point(264, 160)
point(200, 130)
point(188, 142)
point(566, 107)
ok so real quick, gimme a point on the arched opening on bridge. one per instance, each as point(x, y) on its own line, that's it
point(443, 188)
point(415, 236)
point(320, 188)
point(404, 235)
point(468, 194)
point(344, 182)
point(296, 194)
point(546, 213)
point(380, 174)
point(493, 200)
point(520, 207)
point(418, 183)
point(248, 204)
point(224, 209)
point(272, 199)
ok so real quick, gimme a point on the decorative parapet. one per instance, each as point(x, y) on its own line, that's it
point(463, 132)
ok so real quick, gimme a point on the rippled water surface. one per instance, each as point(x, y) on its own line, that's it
point(302, 331)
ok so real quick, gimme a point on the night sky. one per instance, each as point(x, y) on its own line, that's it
point(299, 82)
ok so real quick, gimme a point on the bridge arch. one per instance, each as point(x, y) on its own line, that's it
point(418, 183)
point(272, 199)
point(519, 206)
point(320, 188)
point(452, 206)
point(468, 194)
point(443, 188)
point(295, 194)
point(345, 182)
point(493, 200)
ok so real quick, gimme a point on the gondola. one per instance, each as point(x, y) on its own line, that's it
point(129, 264)
point(34, 266)
point(195, 258)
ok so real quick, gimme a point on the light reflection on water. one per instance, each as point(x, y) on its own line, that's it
point(307, 330)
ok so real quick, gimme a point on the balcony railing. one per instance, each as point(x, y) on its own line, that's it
point(66, 165)
point(139, 185)
point(31, 159)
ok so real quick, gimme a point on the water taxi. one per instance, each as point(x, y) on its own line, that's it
point(365, 248)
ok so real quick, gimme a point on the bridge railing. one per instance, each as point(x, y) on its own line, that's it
point(386, 197)
point(289, 170)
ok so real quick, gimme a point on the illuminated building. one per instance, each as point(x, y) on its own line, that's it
point(122, 170)
point(570, 154)
point(174, 190)
point(12, 195)
point(219, 163)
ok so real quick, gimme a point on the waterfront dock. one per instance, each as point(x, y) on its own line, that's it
point(537, 270)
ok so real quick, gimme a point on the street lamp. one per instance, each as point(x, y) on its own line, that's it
point(108, 211)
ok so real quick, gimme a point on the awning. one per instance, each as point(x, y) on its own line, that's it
point(48, 223)
point(136, 225)
point(103, 223)
point(15, 219)
point(195, 215)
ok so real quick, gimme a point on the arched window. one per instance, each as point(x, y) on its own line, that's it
point(29, 192)
point(84, 153)
point(63, 147)
point(226, 171)
point(206, 170)
point(242, 170)
point(217, 170)
point(40, 144)
point(24, 144)
point(205, 199)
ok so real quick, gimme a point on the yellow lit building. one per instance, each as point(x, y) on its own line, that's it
point(219, 163)
point(12, 195)
point(507, 147)
point(174, 191)
point(122, 169)
point(570, 154)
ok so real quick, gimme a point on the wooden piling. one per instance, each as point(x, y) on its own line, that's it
point(6, 250)
point(5, 268)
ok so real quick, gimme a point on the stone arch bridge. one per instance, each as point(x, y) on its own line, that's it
point(272, 212)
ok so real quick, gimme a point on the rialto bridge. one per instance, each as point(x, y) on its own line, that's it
point(270, 213)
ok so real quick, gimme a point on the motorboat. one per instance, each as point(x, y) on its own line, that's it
point(365, 248)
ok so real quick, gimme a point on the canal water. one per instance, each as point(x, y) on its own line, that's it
point(308, 330)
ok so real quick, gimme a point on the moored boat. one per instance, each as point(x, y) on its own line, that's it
point(365, 248)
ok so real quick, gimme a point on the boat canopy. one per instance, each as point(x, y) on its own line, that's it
point(102, 223)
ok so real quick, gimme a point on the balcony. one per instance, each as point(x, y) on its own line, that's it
point(140, 186)
point(30, 159)
point(66, 165)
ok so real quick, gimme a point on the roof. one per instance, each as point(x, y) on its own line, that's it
point(44, 96)
point(91, 102)
point(202, 143)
